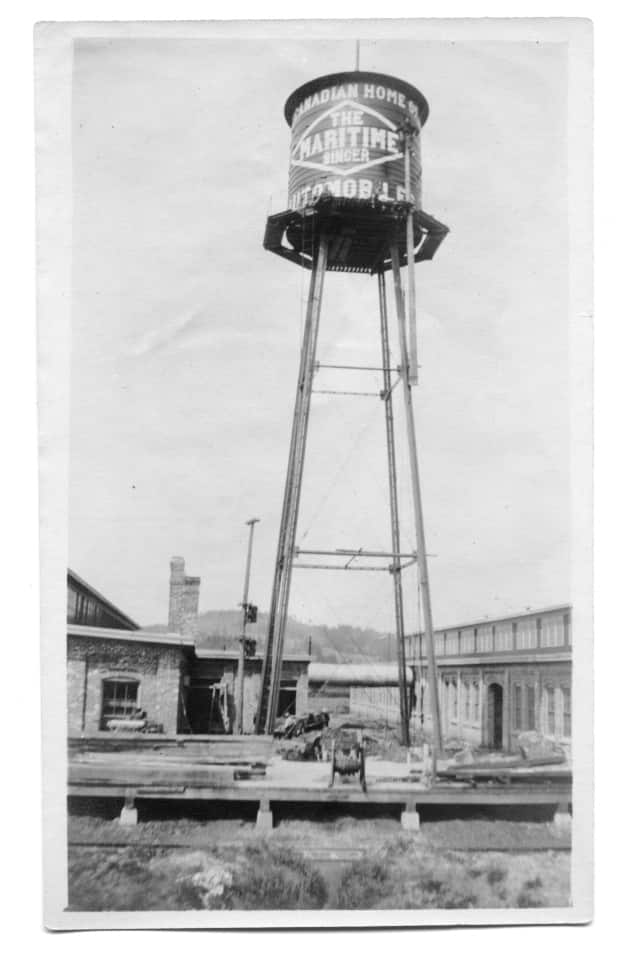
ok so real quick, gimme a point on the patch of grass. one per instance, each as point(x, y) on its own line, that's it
point(273, 878)
point(260, 877)
point(364, 885)
point(125, 880)
point(496, 874)
point(414, 877)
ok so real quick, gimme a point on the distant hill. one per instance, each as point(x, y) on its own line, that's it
point(220, 629)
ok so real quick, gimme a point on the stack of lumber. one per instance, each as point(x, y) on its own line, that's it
point(171, 763)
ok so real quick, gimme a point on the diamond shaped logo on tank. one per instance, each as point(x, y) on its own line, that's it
point(313, 141)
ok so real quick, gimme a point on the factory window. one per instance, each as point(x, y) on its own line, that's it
point(120, 699)
point(566, 711)
point(485, 638)
point(71, 605)
point(550, 709)
point(467, 641)
point(452, 643)
point(503, 637)
point(465, 701)
point(453, 701)
point(552, 632)
point(518, 709)
point(476, 701)
point(526, 634)
point(531, 708)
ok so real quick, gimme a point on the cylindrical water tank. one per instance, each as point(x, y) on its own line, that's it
point(347, 141)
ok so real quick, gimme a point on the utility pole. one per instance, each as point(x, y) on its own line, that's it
point(244, 609)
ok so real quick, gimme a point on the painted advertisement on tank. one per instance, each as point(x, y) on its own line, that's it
point(346, 141)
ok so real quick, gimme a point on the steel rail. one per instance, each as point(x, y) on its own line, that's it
point(395, 568)
point(417, 509)
point(263, 695)
point(354, 552)
point(298, 451)
point(390, 568)
point(350, 393)
point(354, 367)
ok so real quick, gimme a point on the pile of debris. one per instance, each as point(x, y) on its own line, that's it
point(301, 738)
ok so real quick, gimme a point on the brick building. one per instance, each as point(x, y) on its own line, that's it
point(497, 678)
point(118, 673)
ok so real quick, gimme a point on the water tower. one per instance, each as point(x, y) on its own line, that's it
point(354, 205)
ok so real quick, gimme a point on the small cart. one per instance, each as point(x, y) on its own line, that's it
point(348, 756)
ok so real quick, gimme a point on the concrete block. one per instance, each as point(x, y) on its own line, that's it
point(562, 821)
point(129, 816)
point(410, 820)
point(264, 820)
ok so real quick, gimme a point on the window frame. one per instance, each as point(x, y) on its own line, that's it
point(127, 680)
point(567, 711)
point(518, 706)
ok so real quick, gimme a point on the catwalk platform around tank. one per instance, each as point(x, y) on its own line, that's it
point(360, 230)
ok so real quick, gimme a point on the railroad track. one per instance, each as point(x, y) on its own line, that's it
point(339, 855)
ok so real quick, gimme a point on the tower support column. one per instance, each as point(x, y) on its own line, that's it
point(394, 519)
point(417, 504)
point(272, 662)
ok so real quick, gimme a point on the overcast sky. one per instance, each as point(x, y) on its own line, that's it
point(186, 333)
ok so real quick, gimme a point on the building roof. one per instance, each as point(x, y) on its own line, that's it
point(379, 673)
point(72, 577)
point(146, 636)
point(493, 620)
point(130, 635)
point(233, 655)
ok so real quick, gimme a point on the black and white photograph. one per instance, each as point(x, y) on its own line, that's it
point(314, 318)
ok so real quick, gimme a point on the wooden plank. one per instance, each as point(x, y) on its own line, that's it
point(251, 791)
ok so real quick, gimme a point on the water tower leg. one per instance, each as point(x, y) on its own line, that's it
point(394, 517)
point(417, 505)
point(272, 663)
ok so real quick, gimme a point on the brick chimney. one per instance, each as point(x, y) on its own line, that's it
point(183, 603)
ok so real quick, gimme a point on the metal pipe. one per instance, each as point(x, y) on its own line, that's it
point(244, 608)
point(272, 663)
point(417, 508)
point(353, 367)
point(413, 341)
point(353, 552)
point(345, 568)
point(284, 517)
point(394, 518)
point(350, 393)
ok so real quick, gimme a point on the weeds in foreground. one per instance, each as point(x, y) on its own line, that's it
point(403, 873)
point(413, 878)
point(260, 877)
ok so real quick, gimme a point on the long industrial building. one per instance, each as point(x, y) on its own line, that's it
point(497, 678)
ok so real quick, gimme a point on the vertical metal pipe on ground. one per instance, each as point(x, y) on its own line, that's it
point(394, 519)
point(417, 505)
point(244, 606)
point(413, 335)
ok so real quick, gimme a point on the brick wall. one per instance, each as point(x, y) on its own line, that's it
point(183, 600)
point(158, 668)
